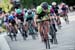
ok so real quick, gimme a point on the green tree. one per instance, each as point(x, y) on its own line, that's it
point(30, 3)
point(69, 2)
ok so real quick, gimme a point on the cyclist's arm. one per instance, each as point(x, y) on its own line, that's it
point(49, 15)
point(16, 18)
point(25, 18)
point(35, 19)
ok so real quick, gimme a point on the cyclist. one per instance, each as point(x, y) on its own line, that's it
point(64, 11)
point(25, 10)
point(63, 8)
point(53, 28)
point(12, 26)
point(29, 17)
point(20, 19)
point(42, 14)
point(5, 20)
point(19, 15)
point(41, 11)
point(56, 8)
point(11, 20)
point(52, 15)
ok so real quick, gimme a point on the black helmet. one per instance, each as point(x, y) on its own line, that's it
point(44, 5)
point(29, 12)
point(25, 10)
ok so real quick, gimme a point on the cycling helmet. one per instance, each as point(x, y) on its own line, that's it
point(44, 5)
point(10, 17)
point(25, 10)
point(29, 12)
point(54, 3)
point(18, 11)
point(62, 4)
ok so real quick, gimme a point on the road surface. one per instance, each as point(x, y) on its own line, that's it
point(65, 36)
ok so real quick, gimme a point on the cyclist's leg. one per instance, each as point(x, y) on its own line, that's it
point(54, 27)
point(53, 20)
point(31, 29)
point(26, 26)
point(7, 27)
point(20, 23)
point(40, 30)
point(58, 21)
point(67, 19)
point(53, 31)
point(10, 31)
point(14, 32)
point(46, 31)
point(25, 29)
point(14, 29)
point(13, 22)
point(57, 17)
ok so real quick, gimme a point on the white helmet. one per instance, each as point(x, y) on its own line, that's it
point(63, 4)
point(54, 3)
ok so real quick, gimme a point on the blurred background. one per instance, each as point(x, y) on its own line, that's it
point(7, 5)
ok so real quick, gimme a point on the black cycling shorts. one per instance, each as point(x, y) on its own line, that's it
point(13, 22)
point(22, 19)
point(57, 14)
point(29, 19)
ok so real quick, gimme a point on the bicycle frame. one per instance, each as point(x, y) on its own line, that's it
point(44, 30)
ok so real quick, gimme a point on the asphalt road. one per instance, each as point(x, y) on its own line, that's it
point(65, 36)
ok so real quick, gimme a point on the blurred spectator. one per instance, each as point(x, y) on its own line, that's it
point(74, 7)
point(71, 8)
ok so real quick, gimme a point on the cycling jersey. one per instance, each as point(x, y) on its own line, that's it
point(11, 20)
point(41, 13)
point(11, 17)
point(20, 16)
point(52, 12)
point(29, 17)
point(64, 8)
point(55, 8)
